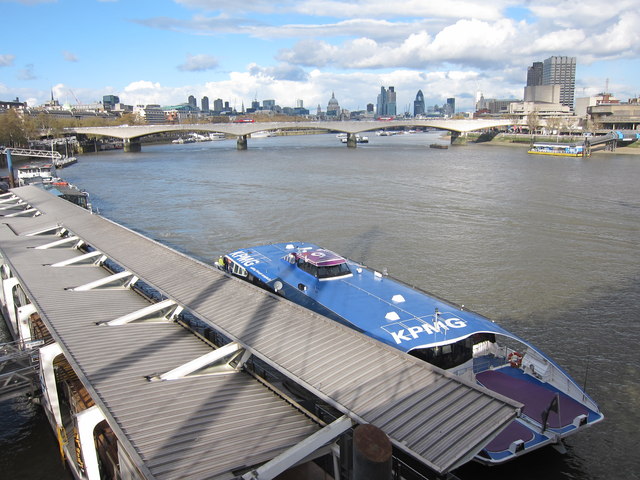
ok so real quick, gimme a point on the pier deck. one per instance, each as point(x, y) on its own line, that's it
point(215, 426)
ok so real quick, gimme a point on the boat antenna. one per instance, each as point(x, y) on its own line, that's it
point(586, 371)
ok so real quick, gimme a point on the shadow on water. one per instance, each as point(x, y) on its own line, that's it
point(359, 247)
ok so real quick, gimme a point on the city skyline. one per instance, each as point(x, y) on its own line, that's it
point(160, 52)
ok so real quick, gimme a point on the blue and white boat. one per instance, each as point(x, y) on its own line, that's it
point(432, 329)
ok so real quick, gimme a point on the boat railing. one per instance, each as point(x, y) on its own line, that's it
point(495, 359)
point(546, 371)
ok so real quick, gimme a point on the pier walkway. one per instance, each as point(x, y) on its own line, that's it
point(177, 407)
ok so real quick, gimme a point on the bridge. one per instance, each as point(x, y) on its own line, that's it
point(131, 135)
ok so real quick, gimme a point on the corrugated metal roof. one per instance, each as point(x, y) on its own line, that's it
point(436, 417)
point(175, 428)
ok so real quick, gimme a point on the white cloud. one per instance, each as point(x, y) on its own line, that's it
point(6, 60)
point(199, 63)
point(359, 8)
point(583, 13)
point(470, 42)
point(27, 73)
point(69, 57)
point(404, 9)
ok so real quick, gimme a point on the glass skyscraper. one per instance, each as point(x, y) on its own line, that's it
point(418, 104)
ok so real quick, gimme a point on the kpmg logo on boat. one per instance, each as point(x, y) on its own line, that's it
point(244, 258)
point(416, 328)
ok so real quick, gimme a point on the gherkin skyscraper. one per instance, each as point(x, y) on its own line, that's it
point(418, 104)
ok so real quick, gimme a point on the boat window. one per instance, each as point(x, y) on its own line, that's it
point(334, 271)
point(307, 267)
point(324, 272)
point(238, 270)
point(447, 356)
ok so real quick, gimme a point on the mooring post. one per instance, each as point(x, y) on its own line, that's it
point(12, 181)
point(242, 142)
point(371, 453)
point(352, 140)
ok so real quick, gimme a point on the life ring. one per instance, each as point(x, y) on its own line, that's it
point(515, 359)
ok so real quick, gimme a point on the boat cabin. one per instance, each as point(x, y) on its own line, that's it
point(455, 354)
point(29, 174)
point(322, 264)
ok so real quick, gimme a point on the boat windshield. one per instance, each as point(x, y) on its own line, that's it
point(454, 354)
point(324, 272)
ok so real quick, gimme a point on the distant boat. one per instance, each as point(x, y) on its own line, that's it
point(64, 161)
point(262, 134)
point(439, 145)
point(359, 139)
point(560, 149)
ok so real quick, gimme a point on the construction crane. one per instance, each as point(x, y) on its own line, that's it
point(74, 96)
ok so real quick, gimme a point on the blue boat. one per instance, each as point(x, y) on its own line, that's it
point(432, 329)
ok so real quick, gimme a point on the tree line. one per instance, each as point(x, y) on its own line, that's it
point(17, 128)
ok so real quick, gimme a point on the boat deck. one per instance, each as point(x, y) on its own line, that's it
point(537, 399)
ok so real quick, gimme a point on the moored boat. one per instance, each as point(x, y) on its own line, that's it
point(561, 149)
point(36, 173)
point(441, 333)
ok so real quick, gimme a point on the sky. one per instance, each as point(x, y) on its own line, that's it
point(162, 51)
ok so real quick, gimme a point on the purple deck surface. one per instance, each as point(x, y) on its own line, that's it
point(515, 431)
point(535, 397)
point(322, 258)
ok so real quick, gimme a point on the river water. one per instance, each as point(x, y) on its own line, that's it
point(546, 246)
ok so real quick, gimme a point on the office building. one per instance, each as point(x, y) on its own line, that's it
point(450, 107)
point(110, 101)
point(534, 74)
point(418, 104)
point(561, 71)
point(150, 114)
point(386, 102)
point(205, 104)
point(542, 93)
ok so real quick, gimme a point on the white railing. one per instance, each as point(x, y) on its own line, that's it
point(25, 152)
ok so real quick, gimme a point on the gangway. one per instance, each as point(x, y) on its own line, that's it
point(26, 152)
point(18, 369)
point(612, 138)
